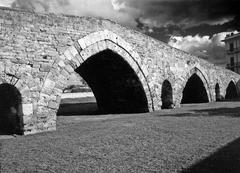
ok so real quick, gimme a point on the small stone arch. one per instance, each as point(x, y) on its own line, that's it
point(16, 80)
point(79, 53)
point(198, 73)
point(231, 91)
point(167, 95)
point(11, 105)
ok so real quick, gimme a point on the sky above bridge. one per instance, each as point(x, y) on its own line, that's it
point(195, 26)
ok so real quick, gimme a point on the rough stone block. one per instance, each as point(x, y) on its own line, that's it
point(45, 67)
point(69, 68)
point(102, 45)
point(68, 54)
point(81, 43)
point(49, 84)
point(61, 63)
point(73, 51)
point(27, 109)
point(53, 105)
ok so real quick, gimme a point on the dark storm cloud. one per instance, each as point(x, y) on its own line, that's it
point(201, 10)
point(187, 17)
point(186, 12)
point(206, 29)
point(195, 23)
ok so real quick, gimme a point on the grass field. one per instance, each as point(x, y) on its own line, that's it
point(195, 138)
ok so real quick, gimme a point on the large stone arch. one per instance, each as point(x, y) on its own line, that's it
point(102, 40)
point(199, 73)
point(77, 54)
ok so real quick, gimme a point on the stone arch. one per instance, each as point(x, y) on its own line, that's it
point(114, 83)
point(19, 80)
point(11, 113)
point(167, 95)
point(196, 73)
point(87, 47)
point(25, 112)
point(11, 104)
point(231, 91)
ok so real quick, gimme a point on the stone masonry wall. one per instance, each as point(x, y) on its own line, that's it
point(39, 53)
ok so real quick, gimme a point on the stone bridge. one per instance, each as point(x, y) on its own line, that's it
point(126, 70)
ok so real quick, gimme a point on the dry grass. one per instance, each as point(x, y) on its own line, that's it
point(188, 140)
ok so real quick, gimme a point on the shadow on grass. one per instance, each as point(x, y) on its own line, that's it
point(78, 109)
point(230, 112)
point(90, 108)
point(230, 100)
point(224, 160)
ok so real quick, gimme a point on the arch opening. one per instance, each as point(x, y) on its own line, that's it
point(78, 100)
point(217, 92)
point(115, 84)
point(194, 91)
point(231, 92)
point(11, 114)
point(167, 95)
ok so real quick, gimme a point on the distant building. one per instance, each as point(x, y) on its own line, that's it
point(232, 42)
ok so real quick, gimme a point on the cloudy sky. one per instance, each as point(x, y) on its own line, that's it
point(195, 26)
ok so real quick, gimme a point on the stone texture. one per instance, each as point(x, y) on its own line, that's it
point(40, 52)
point(27, 109)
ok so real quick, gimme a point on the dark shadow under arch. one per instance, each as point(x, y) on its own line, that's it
point(231, 91)
point(194, 91)
point(11, 114)
point(217, 92)
point(167, 95)
point(114, 83)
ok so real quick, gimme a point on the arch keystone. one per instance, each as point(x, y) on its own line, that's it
point(102, 45)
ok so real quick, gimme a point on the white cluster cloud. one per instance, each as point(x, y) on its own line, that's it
point(6, 3)
point(210, 48)
point(117, 5)
point(116, 10)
